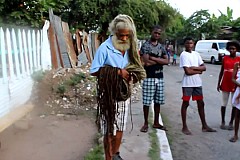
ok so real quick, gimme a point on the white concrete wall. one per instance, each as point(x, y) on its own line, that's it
point(22, 52)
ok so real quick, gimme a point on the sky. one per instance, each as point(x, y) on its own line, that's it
point(188, 7)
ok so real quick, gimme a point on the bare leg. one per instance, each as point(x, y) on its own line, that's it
point(205, 127)
point(223, 111)
point(156, 123)
point(236, 127)
point(117, 141)
point(185, 129)
point(156, 114)
point(232, 118)
point(145, 112)
point(108, 146)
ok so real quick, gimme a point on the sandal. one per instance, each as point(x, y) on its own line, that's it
point(117, 156)
point(230, 127)
point(208, 130)
point(233, 139)
point(224, 127)
point(160, 127)
point(144, 129)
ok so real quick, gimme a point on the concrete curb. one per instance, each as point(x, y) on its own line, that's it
point(165, 151)
point(14, 115)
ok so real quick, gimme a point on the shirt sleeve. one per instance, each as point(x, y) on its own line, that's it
point(184, 62)
point(164, 52)
point(99, 60)
point(144, 49)
point(200, 61)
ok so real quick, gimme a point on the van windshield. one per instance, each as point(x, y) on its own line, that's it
point(222, 45)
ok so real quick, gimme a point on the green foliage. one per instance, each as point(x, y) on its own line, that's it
point(202, 23)
point(90, 15)
point(28, 12)
point(61, 89)
point(154, 150)
point(74, 80)
point(95, 153)
point(37, 76)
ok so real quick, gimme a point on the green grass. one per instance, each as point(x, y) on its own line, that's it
point(154, 150)
point(169, 132)
point(97, 152)
point(38, 76)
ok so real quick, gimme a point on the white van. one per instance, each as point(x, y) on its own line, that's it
point(212, 50)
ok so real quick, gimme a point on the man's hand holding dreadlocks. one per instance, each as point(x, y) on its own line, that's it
point(124, 73)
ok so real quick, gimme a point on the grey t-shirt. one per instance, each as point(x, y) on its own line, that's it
point(154, 71)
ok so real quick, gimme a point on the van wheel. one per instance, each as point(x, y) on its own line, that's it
point(213, 60)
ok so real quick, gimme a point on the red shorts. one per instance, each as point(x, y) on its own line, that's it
point(195, 92)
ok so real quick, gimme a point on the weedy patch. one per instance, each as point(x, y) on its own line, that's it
point(38, 76)
point(154, 150)
point(96, 153)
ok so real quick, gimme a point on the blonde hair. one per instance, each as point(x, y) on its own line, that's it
point(123, 21)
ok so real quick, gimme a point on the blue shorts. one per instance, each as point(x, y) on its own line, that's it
point(153, 90)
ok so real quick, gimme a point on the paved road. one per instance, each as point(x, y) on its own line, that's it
point(199, 146)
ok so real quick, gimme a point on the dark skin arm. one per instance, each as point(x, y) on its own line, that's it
point(163, 61)
point(150, 60)
point(236, 66)
point(220, 77)
point(194, 70)
point(147, 61)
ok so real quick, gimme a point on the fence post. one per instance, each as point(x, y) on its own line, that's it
point(16, 54)
point(10, 59)
point(3, 56)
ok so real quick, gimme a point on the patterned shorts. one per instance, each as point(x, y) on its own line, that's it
point(153, 90)
point(121, 117)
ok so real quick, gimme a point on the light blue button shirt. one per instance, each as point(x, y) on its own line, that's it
point(106, 54)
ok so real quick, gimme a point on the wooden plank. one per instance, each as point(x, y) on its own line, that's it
point(57, 24)
point(54, 53)
point(85, 46)
point(69, 42)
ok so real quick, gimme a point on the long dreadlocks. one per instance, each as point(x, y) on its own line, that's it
point(134, 65)
point(112, 88)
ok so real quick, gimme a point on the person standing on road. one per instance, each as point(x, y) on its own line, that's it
point(193, 66)
point(154, 56)
point(174, 58)
point(225, 84)
point(116, 64)
point(236, 99)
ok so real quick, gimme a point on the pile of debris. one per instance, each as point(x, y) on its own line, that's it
point(70, 91)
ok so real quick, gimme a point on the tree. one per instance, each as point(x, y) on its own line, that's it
point(96, 14)
point(28, 12)
point(90, 15)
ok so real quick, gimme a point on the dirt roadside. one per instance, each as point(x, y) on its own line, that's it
point(61, 125)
